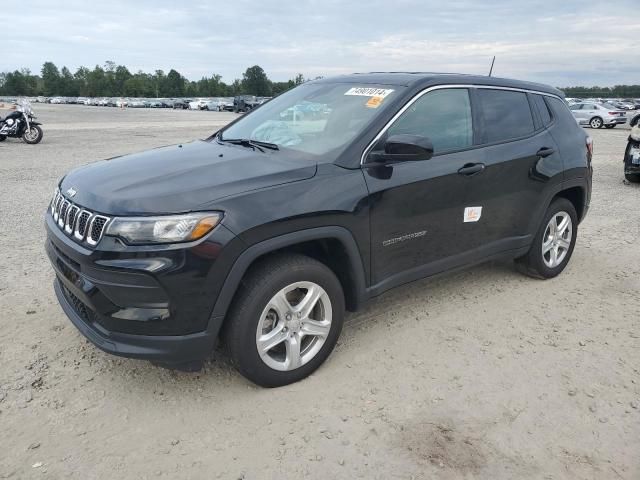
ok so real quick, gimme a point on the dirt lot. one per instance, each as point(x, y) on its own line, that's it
point(484, 374)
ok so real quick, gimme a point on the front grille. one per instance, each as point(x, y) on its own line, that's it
point(78, 305)
point(83, 225)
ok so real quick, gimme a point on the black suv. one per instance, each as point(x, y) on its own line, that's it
point(263, 234)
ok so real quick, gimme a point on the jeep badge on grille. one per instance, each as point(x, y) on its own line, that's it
point(71, 192)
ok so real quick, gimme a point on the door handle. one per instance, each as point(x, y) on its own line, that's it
point(470, 169)
point(545, 152)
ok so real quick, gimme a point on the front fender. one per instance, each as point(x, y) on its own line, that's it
point(244, 261)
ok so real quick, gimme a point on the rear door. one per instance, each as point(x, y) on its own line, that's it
point(520, 159)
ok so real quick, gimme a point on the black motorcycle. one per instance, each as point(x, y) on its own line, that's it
point(21, 124)
point(632, 156)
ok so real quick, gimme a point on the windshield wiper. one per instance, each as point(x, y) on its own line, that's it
point(247, 142)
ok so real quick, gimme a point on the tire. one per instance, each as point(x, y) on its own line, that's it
point(596, 122)
point(32, 140)
point(540, 265)
point(632, 177)
point(634, 120)
point(2, 138)
point(610, 126)
point(259, 309)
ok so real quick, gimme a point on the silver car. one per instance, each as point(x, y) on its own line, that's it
point(597, 114)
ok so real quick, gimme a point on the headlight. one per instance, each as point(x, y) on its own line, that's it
point(163, 229)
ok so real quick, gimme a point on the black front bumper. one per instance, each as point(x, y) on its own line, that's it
point(139, 302)
point(174, 349)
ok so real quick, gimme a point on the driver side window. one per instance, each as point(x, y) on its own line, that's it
point(444, 116)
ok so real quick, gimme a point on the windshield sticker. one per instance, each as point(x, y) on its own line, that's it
point(374, 102)
point(369, 92)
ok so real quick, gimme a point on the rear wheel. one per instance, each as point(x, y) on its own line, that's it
point(553, 244)
point(285, 321)
point(595, 122)
point(33, 135)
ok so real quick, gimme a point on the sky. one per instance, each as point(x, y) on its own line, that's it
point(560, 42)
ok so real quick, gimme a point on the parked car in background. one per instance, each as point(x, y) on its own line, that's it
point(597, 115)
point(245, 103)
point(226, 104)
point(181, 104)
point(210, 105)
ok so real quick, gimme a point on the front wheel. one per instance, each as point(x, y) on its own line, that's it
point(3, 138)
point(33, 135)
point(554, 242)
point(285, 321)
point(632, 177)
point(595, 122)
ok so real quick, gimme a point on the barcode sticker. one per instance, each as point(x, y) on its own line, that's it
point(369, 92)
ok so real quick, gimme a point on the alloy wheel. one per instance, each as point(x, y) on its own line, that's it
point(556, 240)
point(596, 123)
point(294, 326)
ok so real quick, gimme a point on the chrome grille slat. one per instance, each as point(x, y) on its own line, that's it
point(71, 218)
point(62, 217)
point(83, 225)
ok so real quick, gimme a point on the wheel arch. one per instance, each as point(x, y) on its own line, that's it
point(576, 195)
point(334, 246)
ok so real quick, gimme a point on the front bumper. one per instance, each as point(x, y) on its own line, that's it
point(176, 349)
point(143, 302)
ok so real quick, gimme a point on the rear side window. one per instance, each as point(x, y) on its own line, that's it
point(507, 115)
point(442, 115)
point(543, 109)
point(560, 110)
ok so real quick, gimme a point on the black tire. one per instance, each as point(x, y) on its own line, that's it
point(36, 139)
point(632, 177)
point(634, 120)
point(258, 288)
point(610, 126)
point(3, 138)
point(596, 122)
point(532, 263)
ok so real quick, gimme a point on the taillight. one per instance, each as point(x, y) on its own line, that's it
point(590, 147)
point(614, 113)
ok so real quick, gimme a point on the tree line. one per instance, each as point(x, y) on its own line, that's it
point(111, 80)
point(619, 91)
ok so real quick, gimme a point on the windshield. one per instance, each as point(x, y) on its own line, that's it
point(314, 118)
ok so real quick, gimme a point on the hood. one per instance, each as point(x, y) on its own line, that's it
point(179, 178)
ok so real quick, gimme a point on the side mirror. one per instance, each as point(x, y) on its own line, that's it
point(403, 148)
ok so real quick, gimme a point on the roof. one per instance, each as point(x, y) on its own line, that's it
point(427, 79)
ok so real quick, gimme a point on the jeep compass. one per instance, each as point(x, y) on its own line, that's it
point(265, 233)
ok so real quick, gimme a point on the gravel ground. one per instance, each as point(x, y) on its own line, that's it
point(484, 374)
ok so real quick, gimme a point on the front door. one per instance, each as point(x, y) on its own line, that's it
point(417, 207)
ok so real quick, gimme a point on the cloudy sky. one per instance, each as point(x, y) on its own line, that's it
point(560, 42)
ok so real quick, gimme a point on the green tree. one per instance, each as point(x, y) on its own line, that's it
point(51, 79)
point(256, 82)
point(174, 84)
point(121, 75)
